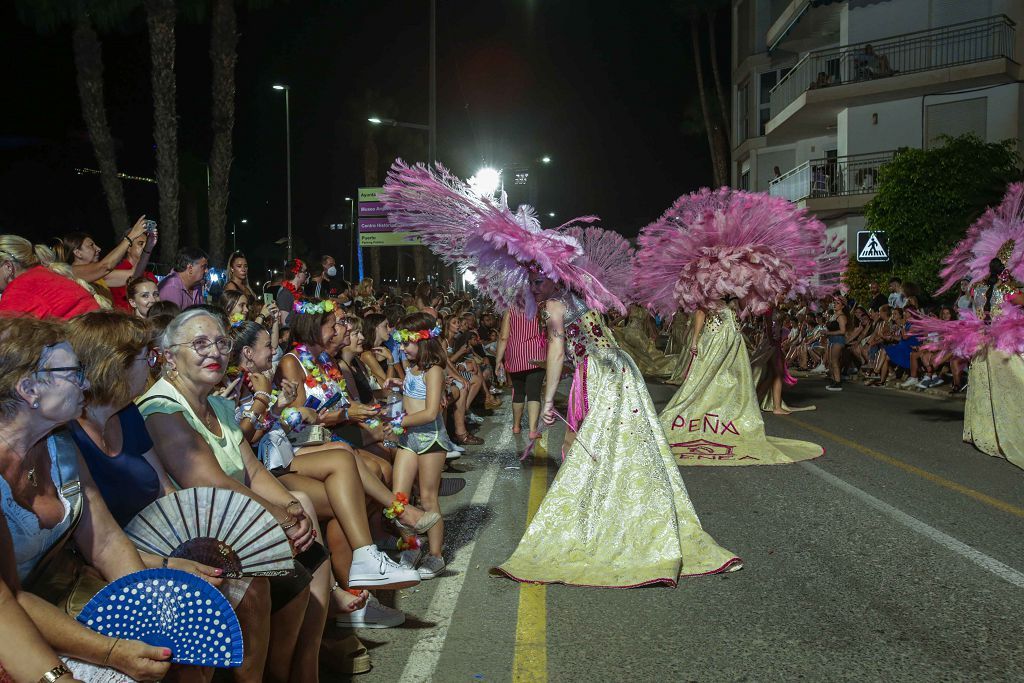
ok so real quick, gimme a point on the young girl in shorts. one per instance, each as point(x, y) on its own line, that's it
point(422, 437)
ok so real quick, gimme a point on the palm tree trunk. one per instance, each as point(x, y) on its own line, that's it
point(160, 19)
point(89, 76)
point(224, 57)
point(717, 77)
point(718, 164)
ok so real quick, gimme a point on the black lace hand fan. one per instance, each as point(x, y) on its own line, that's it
point(172, 609)
point(215, 527)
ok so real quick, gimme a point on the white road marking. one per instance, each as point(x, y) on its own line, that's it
point(979, 558)
point(427, 651)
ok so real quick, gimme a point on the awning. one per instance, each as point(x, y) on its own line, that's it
point(797, 16)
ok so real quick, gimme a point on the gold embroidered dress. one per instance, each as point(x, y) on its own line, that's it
point(621, 518)
point(992, 415)
point(714, 417)
point(634, 339)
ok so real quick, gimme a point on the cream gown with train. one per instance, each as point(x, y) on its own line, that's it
point(714, 417)
point(617, 514)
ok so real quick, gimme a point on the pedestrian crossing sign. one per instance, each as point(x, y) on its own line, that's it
point(872, 247)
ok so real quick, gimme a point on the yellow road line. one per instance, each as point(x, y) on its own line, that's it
point(531, 655)
point(924, 474)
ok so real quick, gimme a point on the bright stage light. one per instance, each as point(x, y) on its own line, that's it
point(486, 181)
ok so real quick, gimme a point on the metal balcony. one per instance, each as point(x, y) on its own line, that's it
point(834, 177)
point(938, 48)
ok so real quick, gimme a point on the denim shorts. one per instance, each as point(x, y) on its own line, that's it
point(837, 339)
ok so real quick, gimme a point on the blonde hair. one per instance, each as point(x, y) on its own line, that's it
point(106, 343)
point(26, 255)
point(24, 343)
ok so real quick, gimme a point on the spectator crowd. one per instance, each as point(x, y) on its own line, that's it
point(336, 407)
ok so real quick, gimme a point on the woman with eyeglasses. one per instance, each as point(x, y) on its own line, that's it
point(116, 351)
point(48, 500)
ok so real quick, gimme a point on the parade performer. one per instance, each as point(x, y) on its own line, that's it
point(636, 337)
point(617, 514)
point(768, 368)
point(719, 256)
point(991, 333)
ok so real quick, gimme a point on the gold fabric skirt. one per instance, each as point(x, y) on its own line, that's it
point(649, 359)
point(992, 416)
point(714, 417)
point(617, 514)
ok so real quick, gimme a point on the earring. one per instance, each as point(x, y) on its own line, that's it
point(35, 405)
point(172, 374)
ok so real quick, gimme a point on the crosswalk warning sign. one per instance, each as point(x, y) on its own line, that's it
point(872, 247)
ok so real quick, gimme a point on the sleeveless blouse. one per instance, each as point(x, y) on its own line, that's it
point(32, 542)
point(525, 343)
point(127, 482)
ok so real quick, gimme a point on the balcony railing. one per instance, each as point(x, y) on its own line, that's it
point(937, 48)
point(834, 177)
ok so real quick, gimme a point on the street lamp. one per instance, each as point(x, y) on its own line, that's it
point(545, 160)
point(551, 214)
point(234, 227)
point(486, 181)
point(377, 121)
point(288, 160)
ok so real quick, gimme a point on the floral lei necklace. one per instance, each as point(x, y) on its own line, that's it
point(320, 371)
point(296, 292)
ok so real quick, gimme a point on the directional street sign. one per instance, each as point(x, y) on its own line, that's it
point(872, 247)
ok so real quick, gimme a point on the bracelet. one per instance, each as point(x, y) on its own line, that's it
point(289, 524)
point(56, 672)
point(264, 394)
point(165, 561)
point(111, 651)
point(251, 416)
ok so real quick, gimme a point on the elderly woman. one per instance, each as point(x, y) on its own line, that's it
point(49, 498)
point(115, 350)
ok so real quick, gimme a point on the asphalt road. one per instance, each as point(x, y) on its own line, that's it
point(897, 556)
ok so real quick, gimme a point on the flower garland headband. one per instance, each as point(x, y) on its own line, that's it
point(403, 336)
point(310, 308)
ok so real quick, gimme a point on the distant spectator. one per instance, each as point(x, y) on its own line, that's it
point(142, 293)
point(163, 308)
point(295, 275)
point(127, 260)
point(877, 299)
point(33, 283)
point(896, 297)
point(869, 64)
point(965, 300)
point(184, 286)
point(324, 285)
point(238, 275)
point(776, 172)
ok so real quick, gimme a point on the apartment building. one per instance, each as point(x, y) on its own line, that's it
point(825, 92)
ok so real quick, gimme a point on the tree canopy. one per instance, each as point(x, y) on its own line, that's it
point(927, 198)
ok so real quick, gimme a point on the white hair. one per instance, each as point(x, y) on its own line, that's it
point(170, 333)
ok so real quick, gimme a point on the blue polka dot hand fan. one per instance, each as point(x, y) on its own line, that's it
point(172, 609)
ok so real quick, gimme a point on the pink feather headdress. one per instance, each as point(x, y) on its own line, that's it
point(609, 256)
point(714, 245)
point(998, 233)
point(503, 249)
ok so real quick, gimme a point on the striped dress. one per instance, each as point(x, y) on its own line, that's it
point(525, 343)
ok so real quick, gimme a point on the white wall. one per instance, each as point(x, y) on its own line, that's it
point(900, 121)
point(813, 148)
point(785, 159)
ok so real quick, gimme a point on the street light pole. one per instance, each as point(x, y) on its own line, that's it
point(288, 160)
point(432, 120)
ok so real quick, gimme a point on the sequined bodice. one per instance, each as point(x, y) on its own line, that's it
point(1003, 290)
point(716, 319)
point(585, 331)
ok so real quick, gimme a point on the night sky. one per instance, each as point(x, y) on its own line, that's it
point(602, 92)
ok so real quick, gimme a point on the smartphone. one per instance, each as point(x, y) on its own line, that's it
point(331, 402)
point(150, 225)
point(268, 298)
point(313, 402)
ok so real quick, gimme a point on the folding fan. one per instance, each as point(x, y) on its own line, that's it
point(172, 609)
point(216, 527)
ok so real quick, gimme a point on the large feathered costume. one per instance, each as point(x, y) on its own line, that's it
point(711, 246)
point(503, 249)
point(994, 321)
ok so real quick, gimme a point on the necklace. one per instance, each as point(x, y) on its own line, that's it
point(31, 471)
point(207, 418)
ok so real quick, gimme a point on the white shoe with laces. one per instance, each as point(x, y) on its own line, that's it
point(371, 568)
point(909, 382)
point(409, 558)
point(457, 448)
point(453, 455)
point(373, 615)
point(431, 566)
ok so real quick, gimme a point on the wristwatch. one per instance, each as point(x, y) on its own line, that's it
point(55, 673)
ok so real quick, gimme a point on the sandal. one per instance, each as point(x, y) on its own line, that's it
point(428, 520)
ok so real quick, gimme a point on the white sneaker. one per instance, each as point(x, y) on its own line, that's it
point(820, 368)
point(474, 418)
point(453, 455)
point(371, 568)
point(374, 615)
point(457, 448)
point(431, 566)
point(909, 382)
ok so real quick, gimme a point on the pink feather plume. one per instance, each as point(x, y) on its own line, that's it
point(608, 256)
point(714, 245)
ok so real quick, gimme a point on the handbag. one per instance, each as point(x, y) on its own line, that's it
point(275, 450)
point(312, 435)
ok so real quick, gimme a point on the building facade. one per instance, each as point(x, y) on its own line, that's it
point(825, 92)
